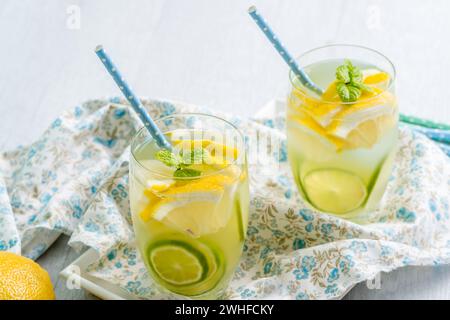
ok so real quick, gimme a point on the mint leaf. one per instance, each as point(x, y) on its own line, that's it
point(354, 72)
point(348, 92)
point(349, 82)
point(356, 75)
point(168, 158)
point(354, 92)
point(343, 74)
point(183, 160)
point(343, 91)
point(186, 172)
point(196, 156)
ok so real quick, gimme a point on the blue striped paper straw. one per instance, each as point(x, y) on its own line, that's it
point(133, 99)
point(262, 24)
point(438, 135)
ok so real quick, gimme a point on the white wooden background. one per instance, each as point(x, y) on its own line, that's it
point(209, 52)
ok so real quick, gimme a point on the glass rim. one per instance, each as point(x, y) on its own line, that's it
point(292, 76)
point(186, 114)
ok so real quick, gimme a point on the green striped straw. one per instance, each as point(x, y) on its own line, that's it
point(133, 99)
point(424, 122)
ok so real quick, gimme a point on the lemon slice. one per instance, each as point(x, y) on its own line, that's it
point(156, 186)
point(304, 125)
point(178, 263)
point(346, 122)
point(368, 133)
point(216, 149)
point(331, 94)
point(375, 77)
point(334, 190)
point(362, 125)
point(195, 207)
point(200, 200)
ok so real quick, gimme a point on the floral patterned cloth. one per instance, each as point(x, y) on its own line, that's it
point(74, 179)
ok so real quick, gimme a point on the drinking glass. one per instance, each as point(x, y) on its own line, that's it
point(341, 153)
point(190, 225)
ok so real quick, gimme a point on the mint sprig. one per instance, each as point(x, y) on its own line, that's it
point(194, 156)
point(168, 158)
point(182, 161)
point(349, 82)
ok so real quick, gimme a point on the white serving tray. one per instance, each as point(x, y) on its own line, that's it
point(76, 274)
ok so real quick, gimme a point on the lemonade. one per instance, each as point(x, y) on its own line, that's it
point(341, 148)
point(190, 205)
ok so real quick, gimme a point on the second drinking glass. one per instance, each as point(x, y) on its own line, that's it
point(341, 144)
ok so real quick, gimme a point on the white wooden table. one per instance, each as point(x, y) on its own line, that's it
point(210, 53)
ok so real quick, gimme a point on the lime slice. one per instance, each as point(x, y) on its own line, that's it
point(334, 190)
point(189, 269)
point(178, 263)
point(216, 271)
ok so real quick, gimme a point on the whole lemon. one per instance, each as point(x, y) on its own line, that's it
point(23, 279)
